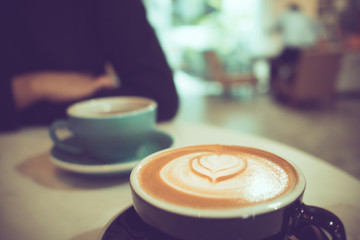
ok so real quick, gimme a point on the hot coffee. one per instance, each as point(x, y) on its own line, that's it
point(224, 192)
point(107, 129)
point(216, 177)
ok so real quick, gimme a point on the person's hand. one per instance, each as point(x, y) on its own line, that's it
point(60, 87)
point(56, 87)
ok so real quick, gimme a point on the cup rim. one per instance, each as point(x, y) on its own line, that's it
point(243, 212)
point(149, 107)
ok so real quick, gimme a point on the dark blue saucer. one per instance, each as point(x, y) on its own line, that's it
point(128, 225)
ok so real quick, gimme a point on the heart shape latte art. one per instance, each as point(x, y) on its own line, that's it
point(217, 167)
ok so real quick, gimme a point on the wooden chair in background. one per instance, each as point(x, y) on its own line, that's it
point(228, 81)
point(314, 78)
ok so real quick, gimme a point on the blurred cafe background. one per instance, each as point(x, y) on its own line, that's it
point(221, 50)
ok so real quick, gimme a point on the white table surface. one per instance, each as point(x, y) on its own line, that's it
point(39, 201)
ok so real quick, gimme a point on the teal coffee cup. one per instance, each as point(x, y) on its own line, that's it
point(108, 129)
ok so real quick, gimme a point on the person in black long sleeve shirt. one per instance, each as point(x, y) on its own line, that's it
point(53, 53)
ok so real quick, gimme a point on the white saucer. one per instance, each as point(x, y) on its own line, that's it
point(85, 164)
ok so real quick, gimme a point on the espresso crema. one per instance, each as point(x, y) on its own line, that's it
point(216, 176)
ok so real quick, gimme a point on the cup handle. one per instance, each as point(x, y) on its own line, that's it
point(321, 218)
point(60, 144)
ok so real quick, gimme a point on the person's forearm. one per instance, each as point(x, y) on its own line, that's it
point(24, 91)
point(31, 88)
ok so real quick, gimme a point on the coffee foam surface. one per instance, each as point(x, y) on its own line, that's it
point(110, 106)
point(217, 176)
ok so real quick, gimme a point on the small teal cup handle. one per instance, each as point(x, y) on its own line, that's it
point(58, 142)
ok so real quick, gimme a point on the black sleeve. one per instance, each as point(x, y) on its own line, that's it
point(131, 45)
point(7, 104)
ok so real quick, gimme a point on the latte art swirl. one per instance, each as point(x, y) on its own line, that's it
point(216, 176)
point(224, 176)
